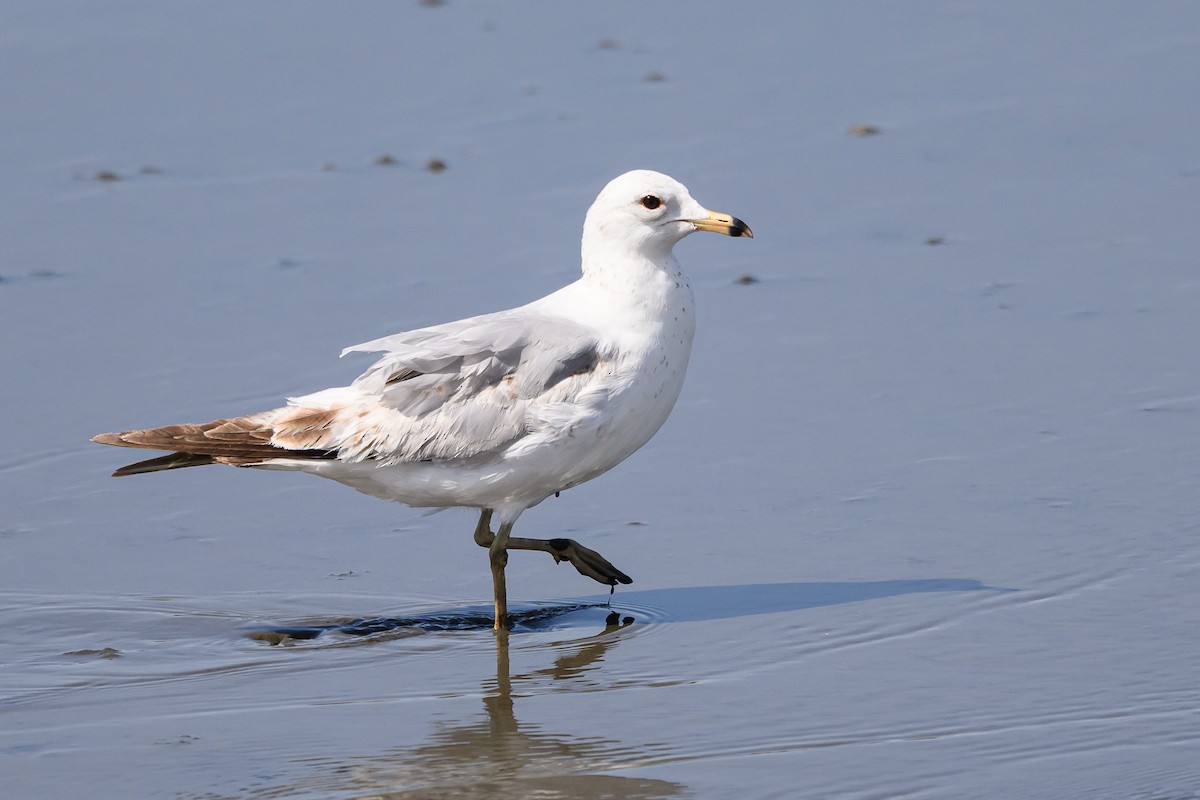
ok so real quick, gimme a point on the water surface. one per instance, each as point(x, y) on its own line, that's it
point(924, 521)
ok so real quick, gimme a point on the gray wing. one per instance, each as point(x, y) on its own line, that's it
point(458, 390)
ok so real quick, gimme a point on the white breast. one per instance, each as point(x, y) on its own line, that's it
point(652, 323)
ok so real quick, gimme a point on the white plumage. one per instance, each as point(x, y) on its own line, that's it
point(499, 411)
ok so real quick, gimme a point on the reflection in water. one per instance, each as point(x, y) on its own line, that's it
point(496, 756)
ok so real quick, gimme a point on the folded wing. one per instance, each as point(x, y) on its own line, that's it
point(462, 390)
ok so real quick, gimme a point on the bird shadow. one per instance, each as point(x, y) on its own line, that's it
point(682, 604)
point(706, 603)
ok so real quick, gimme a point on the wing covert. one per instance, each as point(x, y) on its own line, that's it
point(465, 389)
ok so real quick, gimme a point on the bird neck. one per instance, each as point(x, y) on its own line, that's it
point(636, 288)
point(605, 250)
point(616, 267)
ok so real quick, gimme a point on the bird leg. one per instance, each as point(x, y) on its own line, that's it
point(585, 560)
point(483, 530)
point(498, 556)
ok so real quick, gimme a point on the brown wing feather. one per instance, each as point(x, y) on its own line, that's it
point(241, 441)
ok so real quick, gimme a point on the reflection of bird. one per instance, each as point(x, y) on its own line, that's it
point(500, 411)
point(500, 756)
point(495, 754)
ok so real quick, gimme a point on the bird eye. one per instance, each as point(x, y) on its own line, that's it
point(651, 202)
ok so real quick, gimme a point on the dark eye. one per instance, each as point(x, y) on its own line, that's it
point(651, 202)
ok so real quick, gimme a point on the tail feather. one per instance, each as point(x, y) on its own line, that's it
point(243, 441)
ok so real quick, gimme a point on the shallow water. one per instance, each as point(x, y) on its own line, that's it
point(922, 525)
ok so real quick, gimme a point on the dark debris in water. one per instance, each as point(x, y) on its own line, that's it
point(864, 130)
point(185, 739)
point(104, 652)
point(529, 619)
point(33, 274)
point(112, 176)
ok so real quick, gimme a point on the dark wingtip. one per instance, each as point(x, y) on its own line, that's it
point(170, 461)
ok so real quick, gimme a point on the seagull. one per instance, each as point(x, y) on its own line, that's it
point(500, 411)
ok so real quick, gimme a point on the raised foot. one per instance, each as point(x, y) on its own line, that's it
point(587, 561)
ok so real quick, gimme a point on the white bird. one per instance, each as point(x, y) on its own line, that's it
point(500, 411)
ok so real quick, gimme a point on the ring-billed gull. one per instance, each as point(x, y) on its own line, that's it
point(500, 411)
